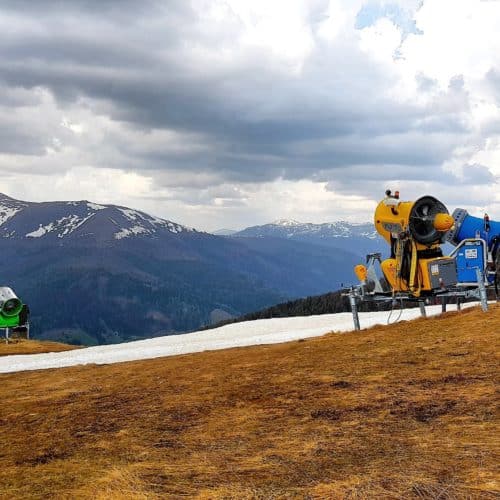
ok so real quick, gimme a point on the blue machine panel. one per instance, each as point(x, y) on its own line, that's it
point(469, 258)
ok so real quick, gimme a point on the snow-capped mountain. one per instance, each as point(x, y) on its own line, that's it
point(356, 237)
point(104, 273)
point(289, 228)
point(78, 219)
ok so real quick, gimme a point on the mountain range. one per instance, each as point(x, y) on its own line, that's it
point(94, 273)
point(359, 238)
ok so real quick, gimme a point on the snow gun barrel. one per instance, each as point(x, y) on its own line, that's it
point(10, 304)
point(466, 227)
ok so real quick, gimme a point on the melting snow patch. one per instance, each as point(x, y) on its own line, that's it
point(171, 226)
point(263, 331)
point(65, 225)
point(133, 231)
point(41, 231)
point(95, 206)
point(286, 222)
point(6, 213)
point(71, 223)
point(132, 215)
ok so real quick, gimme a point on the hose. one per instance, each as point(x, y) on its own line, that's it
point(394, 302)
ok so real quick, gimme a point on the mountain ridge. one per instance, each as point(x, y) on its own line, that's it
point(360, 238)
point(336, 229)
point(96, 273)
point(64, 219)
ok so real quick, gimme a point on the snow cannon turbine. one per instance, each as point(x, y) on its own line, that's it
point(11, 308)
point(415, 231)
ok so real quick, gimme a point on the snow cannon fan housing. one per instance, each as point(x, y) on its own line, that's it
point(10, 308)
point(415, 231)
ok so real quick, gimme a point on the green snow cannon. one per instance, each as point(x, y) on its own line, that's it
point(10, 308)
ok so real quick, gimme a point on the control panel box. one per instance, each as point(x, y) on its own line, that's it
point(442, 272)
point(470, 257)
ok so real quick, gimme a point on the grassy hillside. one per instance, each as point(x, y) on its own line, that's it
point(32, 347)
point(401, 411)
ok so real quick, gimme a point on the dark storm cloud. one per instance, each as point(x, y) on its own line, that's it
point(126, 8)
point(142, 64)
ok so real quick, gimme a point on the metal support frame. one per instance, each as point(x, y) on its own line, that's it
point(421, 305)
point(8, 332)
point(354, 309)
point(483, 296)
point(357, 294)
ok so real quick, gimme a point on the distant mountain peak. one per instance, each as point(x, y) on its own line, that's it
point(4, 197)
point(286, 222)
point(63, 219)
point(360, 236)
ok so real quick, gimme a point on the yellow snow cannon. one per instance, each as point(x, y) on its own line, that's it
point(415, 231)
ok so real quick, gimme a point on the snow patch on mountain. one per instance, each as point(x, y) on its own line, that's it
point(131, 215)
point(95, 206)
point(286, 222)
point(71, 223)
point(41, 231)
point(132, 231)
point(289, 228)
point(140, 218)
point(7, 212)
point(65, 226)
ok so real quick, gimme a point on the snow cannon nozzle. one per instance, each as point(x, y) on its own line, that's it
point(466, 226)
point(10, 304)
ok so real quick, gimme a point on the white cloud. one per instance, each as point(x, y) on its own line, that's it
point(228, 112)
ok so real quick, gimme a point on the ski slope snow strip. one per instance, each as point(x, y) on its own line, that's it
point(257, 332)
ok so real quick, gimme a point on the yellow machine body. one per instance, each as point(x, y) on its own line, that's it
point(414, 231)
point(391, 217)
point(423, 280)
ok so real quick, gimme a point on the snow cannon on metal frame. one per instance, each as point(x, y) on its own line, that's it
point(13, 313)
point(417, 268)
point(415, 231)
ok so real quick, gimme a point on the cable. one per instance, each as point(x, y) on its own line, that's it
point(392, 310)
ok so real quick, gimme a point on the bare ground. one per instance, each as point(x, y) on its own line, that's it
point(32, 347)
point(402, 411)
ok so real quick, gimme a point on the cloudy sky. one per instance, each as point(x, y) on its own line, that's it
point(229, 113)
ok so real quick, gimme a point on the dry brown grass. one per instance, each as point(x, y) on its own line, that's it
point(23, 346)
point(405, 411)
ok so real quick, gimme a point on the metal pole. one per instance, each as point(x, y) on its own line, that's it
point(482, 290)
point(354, 309)
point(459, 303)
point(421, 304)
point(443, 304)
